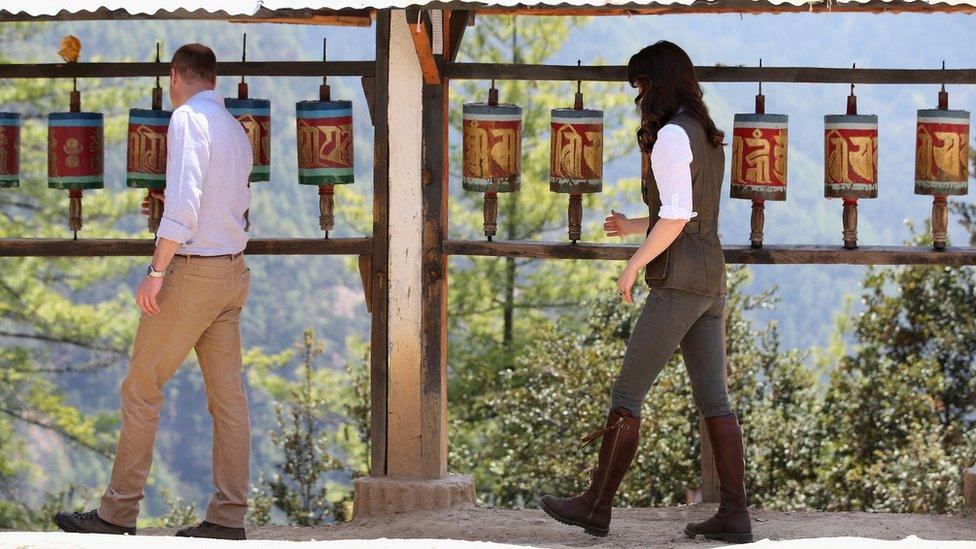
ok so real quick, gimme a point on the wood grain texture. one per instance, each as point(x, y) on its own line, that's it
point(97, 247)
point(433, 322)
point(234, 68)
point(610, 73)
point(767, 255)
point(379, 284)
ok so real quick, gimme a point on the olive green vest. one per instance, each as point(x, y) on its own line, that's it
point(694, 262)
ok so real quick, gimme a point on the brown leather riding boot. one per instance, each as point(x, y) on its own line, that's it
point(591, 509)
point(731, 523)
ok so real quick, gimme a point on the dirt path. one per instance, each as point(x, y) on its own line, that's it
point(656, 527)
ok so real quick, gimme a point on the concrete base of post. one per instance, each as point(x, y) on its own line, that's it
point(969, 489)
point(374, 496)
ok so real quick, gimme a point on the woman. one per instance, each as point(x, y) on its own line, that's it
point(685, 268)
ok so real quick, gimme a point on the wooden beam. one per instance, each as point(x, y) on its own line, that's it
point(99, 247)
point(816, 75)
point(455, 33)
point(364, 19)
point(714, 7)
point(379, 283)
point(425, 51)
point(767, 255)
point(235, 68)
point(405, 116)
point(433, 320)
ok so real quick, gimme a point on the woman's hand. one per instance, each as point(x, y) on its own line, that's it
point(617, 224)
point(626, 283)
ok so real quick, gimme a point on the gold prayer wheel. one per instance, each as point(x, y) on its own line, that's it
point(941, 161)
point(576, 158)
point(850, 162)
point(492, 151)
point(759, 147)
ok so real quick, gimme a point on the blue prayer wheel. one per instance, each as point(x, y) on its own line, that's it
point(9, 149)
point(255, 116)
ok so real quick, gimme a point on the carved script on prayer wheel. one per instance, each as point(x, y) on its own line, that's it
point(75, 150)
point(492, 147)
point(576, 153)
point(9, 149)
point(942, 152)
point(325, 142)
point(146, 158)
point(255, 116)
point(759, 152)
point(850, 156)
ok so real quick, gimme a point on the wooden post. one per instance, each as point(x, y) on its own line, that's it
point(709, 475)
point(379, 337)
point(407, 398)
point(434, 277)
point(415, 181)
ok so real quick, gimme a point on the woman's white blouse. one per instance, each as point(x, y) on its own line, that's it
point(671, 164)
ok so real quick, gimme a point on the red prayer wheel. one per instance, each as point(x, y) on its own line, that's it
point(759, 152)
point(576, 158)
point(146, 158)
point(75, 159)
point(941, 161)
point(9, 149)
point(255, 116)
point(491, 153)
point(850, 162)
point(325, 151)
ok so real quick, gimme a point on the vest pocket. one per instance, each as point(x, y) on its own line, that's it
point(658, 268)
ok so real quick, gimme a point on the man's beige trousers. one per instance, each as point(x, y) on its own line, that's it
point(199, 308)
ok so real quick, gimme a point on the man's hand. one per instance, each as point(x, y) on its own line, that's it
point(146, 295)
point(626, 283)
point(158, 195)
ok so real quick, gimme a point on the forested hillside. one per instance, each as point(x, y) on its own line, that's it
point(498, 307)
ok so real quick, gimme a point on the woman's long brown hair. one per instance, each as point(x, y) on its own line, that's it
point(666, 78)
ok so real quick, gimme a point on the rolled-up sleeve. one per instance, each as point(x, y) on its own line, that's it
point(671, 163)
point(187, 158)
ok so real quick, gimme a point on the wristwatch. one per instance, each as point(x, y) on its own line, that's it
point(153, 273)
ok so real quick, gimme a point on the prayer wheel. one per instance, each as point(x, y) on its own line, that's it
point(941, 161)
point(759, 151)
point(255, 116)
point(325, 147)
point(325, 151)
point(9, 149)
point(75, 159)
point(850, 162)
point(146, 158)
point(492, 150)
point(576, 158)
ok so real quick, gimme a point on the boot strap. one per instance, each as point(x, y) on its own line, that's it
point(588, 439)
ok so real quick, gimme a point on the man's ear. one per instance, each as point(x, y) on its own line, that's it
point(174, 74)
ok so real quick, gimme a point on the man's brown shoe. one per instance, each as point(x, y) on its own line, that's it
point(88, 523)
point(591, 510)
point(210, 530)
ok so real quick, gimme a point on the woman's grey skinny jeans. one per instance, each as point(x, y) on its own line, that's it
point(671, 318)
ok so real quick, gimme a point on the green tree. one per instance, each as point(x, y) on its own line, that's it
point(897, 422)
point(60, 319)
point(559, 390)
point(499, 306)
point(310, 482)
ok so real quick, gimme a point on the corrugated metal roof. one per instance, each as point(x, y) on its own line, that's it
point(22, 9)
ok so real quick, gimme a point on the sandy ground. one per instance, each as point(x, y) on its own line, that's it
point(660, 527)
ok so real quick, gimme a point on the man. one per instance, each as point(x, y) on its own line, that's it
point(192, 297)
